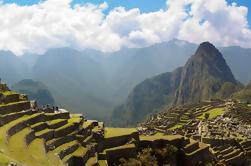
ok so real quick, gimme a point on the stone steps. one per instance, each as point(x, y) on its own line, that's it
point(236, 160)
point(226, 151)
point(232, 154)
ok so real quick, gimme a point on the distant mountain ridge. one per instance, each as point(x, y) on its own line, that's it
point(94, 82)
point(36, 91)
point(203, 77)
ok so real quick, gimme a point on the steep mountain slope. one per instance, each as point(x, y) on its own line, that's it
point(35, 90)
point(206, 75)
point(203, 75)
point(147, 97)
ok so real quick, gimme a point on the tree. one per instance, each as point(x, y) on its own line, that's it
point(207, 115)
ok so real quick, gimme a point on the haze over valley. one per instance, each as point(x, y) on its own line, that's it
point(95, 83)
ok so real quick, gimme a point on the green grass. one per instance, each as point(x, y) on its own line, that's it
point(126, 146)
point(92, 160)
point(160, 136)
point(114, 132)
point(17, 150)
point(176, 126)
point(213, 113)
point(102, 162)
point(74, 120)
point(6, 93)
point(5, 160)
point(46, 130)
point(52, 122)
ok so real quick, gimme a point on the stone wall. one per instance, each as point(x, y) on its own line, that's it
point(11, 117)
point(52, 116)
point(29, 138)
point(113, 155)
point(11, 98)
point(60, 141)
point(161, 143)
point(217, 142)
point(40, 127)
point(197, 158)
point(57, 125)
point(64, 131)
point(67, 151)
point(14, 107)
point(119, 140)
point(21, 125)
point(47, 136)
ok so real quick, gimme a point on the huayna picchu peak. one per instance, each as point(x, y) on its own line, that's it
point(203, 76)
point(206, 75)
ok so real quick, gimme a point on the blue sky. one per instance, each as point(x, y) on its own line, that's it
point(41, 28)
point(143, 5)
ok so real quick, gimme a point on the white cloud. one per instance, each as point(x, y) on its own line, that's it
point(55, 23)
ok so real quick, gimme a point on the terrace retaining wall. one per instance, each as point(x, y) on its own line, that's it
point(119, 140)
point(14, 107)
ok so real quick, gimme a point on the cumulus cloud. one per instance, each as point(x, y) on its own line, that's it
point(56, 23)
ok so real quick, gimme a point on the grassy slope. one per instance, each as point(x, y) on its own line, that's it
point(213, 113)
point(15, 148)
point(113, 132)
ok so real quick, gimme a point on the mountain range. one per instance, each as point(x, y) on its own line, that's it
point(205, 76)
point(94, 83)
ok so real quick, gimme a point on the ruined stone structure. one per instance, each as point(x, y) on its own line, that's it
point(72, 140)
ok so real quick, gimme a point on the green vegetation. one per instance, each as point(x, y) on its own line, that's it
point(212, 113)
point(4, 160)
point(6, 93)
point(165, 155)
point(245, 94)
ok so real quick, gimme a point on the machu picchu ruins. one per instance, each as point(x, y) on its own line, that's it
point(223, 125)
point(216, 132)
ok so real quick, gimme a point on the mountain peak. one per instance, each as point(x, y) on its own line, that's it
point(206, 49)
